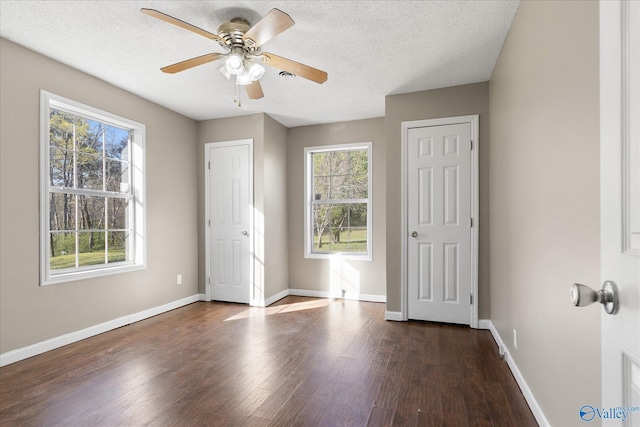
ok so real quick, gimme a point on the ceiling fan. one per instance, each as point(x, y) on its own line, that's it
point(243, 59)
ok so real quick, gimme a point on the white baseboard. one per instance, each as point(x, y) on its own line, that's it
point(347, 295)
point(484, 324)
point(396, 316)
point(267, 302)
point(145, 314)
point(365, 297)
point(309, 293)
point(202, 297)
point(53, 343)
point(524, 387)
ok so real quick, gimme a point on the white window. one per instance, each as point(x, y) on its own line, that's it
point(338, 201)
point(92, 212)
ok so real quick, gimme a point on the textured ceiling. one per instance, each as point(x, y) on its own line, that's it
point(370, 49)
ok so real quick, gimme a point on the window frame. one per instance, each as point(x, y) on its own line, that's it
point(308, 201)
point(137, 239)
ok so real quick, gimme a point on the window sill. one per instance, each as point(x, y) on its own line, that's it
point(90, 274)
point(343, 255)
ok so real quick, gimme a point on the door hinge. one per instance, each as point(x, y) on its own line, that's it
point(471, 299)
point(471, 145)
point(209, 165)
point(209, 222)
point(471, 222)
point(209, 280)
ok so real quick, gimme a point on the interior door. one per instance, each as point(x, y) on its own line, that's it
point(620, 207)
point(439, 253)
point(230, 202)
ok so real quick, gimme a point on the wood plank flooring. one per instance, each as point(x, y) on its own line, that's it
point(300, 362)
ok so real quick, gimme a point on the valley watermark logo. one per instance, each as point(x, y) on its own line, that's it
point(589, 413)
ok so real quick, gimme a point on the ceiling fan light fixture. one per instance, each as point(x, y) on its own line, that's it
point(256, 71)
point(223, 70)
point(243, 78)
point(234, 63)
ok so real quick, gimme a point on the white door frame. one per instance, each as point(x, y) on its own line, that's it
point(473, 121)
point(207, 215)
point(619, 345)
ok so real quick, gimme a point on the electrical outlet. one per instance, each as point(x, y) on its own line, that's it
point(179, 279)
point(515, 339)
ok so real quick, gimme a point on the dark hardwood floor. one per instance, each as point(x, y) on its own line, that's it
point(302, 361)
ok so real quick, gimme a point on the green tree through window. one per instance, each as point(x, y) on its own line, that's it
point(339, 199)
point(87, 160)
point(92, 220)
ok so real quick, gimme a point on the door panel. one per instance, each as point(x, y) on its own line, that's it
point(230, 203)
point(451, 195)
point(438, 219)
point(425, 277)
point(425, 196)
point(451, 268)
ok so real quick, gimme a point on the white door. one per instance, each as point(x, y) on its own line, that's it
point(620, 208)
point(439, 223)
point(230, 204)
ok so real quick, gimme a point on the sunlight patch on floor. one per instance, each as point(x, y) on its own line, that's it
point(278, 309)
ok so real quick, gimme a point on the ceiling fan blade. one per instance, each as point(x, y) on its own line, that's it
point(272, 24)
point(254, 90)
point(179, 23)
point(190, 63)
point(294, 67)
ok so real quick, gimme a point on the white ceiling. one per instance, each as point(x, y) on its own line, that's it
point(370, 49)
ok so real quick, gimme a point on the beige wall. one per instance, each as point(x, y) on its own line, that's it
point(538, 175)
point(313, 274)
point(431, 104)
point(276, 253)
point(30, 313)
point(220, 130)
point(270, 198)
point(544, 201)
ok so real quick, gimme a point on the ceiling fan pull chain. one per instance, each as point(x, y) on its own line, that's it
point(236, 97)
point(235, 91)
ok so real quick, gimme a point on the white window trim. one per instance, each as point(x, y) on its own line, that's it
point(138, 168)
point(308, 194)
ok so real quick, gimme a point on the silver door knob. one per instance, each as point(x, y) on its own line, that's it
point(582, 295)
point(414, 234)
point(244, 233)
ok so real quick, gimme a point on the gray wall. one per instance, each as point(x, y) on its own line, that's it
point(30, 313)
point(544, 201)
point(431, 104)
point(313, 274)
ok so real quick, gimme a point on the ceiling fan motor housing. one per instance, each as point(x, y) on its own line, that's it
point(231, 34)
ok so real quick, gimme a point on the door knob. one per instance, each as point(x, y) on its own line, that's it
point(414, 234)
point(244, 233)
point(582, 295)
